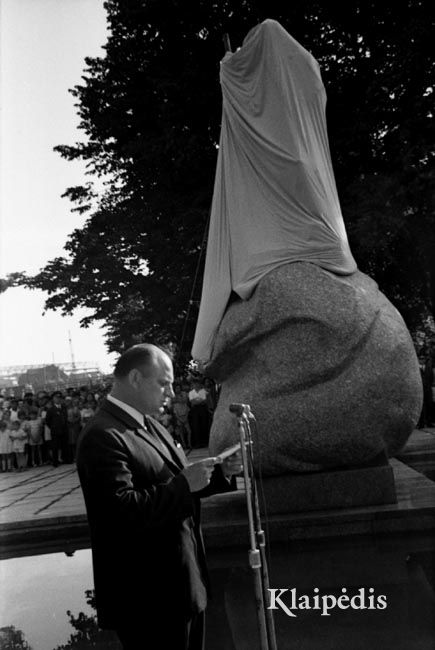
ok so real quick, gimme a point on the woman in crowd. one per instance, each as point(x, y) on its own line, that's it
point(88, 409)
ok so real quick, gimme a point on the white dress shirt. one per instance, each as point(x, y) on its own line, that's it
point(135, 414)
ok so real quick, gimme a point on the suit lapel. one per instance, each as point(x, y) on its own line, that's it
point(152, 440)
point(176, 451)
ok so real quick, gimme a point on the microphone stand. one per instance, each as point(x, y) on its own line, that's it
point(257, 551)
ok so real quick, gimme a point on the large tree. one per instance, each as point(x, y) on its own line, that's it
point(150, 114)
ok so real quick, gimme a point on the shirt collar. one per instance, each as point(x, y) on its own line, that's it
point(135, 414)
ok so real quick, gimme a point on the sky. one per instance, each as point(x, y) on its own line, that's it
point(42, 48)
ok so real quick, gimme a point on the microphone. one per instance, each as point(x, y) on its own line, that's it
point(241, 409)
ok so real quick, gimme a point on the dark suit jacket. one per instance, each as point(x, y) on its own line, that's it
point(148, 554)
point(57, 420)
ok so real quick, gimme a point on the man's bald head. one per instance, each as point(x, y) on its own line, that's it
point(143, 378)
point(141, 357)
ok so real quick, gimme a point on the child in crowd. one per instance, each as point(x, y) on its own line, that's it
point(33, 427)
point(13, 411)
point(5, 447)
point(19, 441)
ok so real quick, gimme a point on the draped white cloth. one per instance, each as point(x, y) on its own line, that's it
point(275, 200)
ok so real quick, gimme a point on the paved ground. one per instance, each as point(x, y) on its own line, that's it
point(46, 491)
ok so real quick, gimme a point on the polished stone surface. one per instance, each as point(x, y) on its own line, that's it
point(43, 595)
point(326, 364)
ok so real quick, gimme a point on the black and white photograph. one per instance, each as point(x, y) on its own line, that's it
point(217, 325)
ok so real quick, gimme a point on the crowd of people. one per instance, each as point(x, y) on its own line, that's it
point(43, 427)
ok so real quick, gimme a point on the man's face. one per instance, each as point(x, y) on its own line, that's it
point(153, 385)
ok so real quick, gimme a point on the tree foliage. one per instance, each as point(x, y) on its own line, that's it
point(86, 633)
point(150, 115)
point(11, 280)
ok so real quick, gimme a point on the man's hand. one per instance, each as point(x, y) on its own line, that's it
point(198, 474)
point(232, 465)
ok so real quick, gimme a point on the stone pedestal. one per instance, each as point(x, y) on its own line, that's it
point(343, 488)
point(326, 364)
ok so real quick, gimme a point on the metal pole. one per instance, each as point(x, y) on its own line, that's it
point(261, 542)
point(253, 554)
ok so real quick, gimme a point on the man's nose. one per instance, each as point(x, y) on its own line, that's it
point(170, 391)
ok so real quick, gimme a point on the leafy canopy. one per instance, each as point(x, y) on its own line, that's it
point(150, 115)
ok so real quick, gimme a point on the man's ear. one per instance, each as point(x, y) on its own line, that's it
point(134, 377)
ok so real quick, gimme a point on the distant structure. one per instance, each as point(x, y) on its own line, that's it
point(49, 376)
point(43, 376)
point(73, 361)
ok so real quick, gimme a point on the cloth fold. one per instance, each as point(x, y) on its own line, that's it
point(275, 200)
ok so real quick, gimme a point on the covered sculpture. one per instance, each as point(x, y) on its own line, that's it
point(275, 199)
point(287, 323)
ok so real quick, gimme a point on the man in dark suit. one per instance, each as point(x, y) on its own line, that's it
point(57, 421)
point(143, 509)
